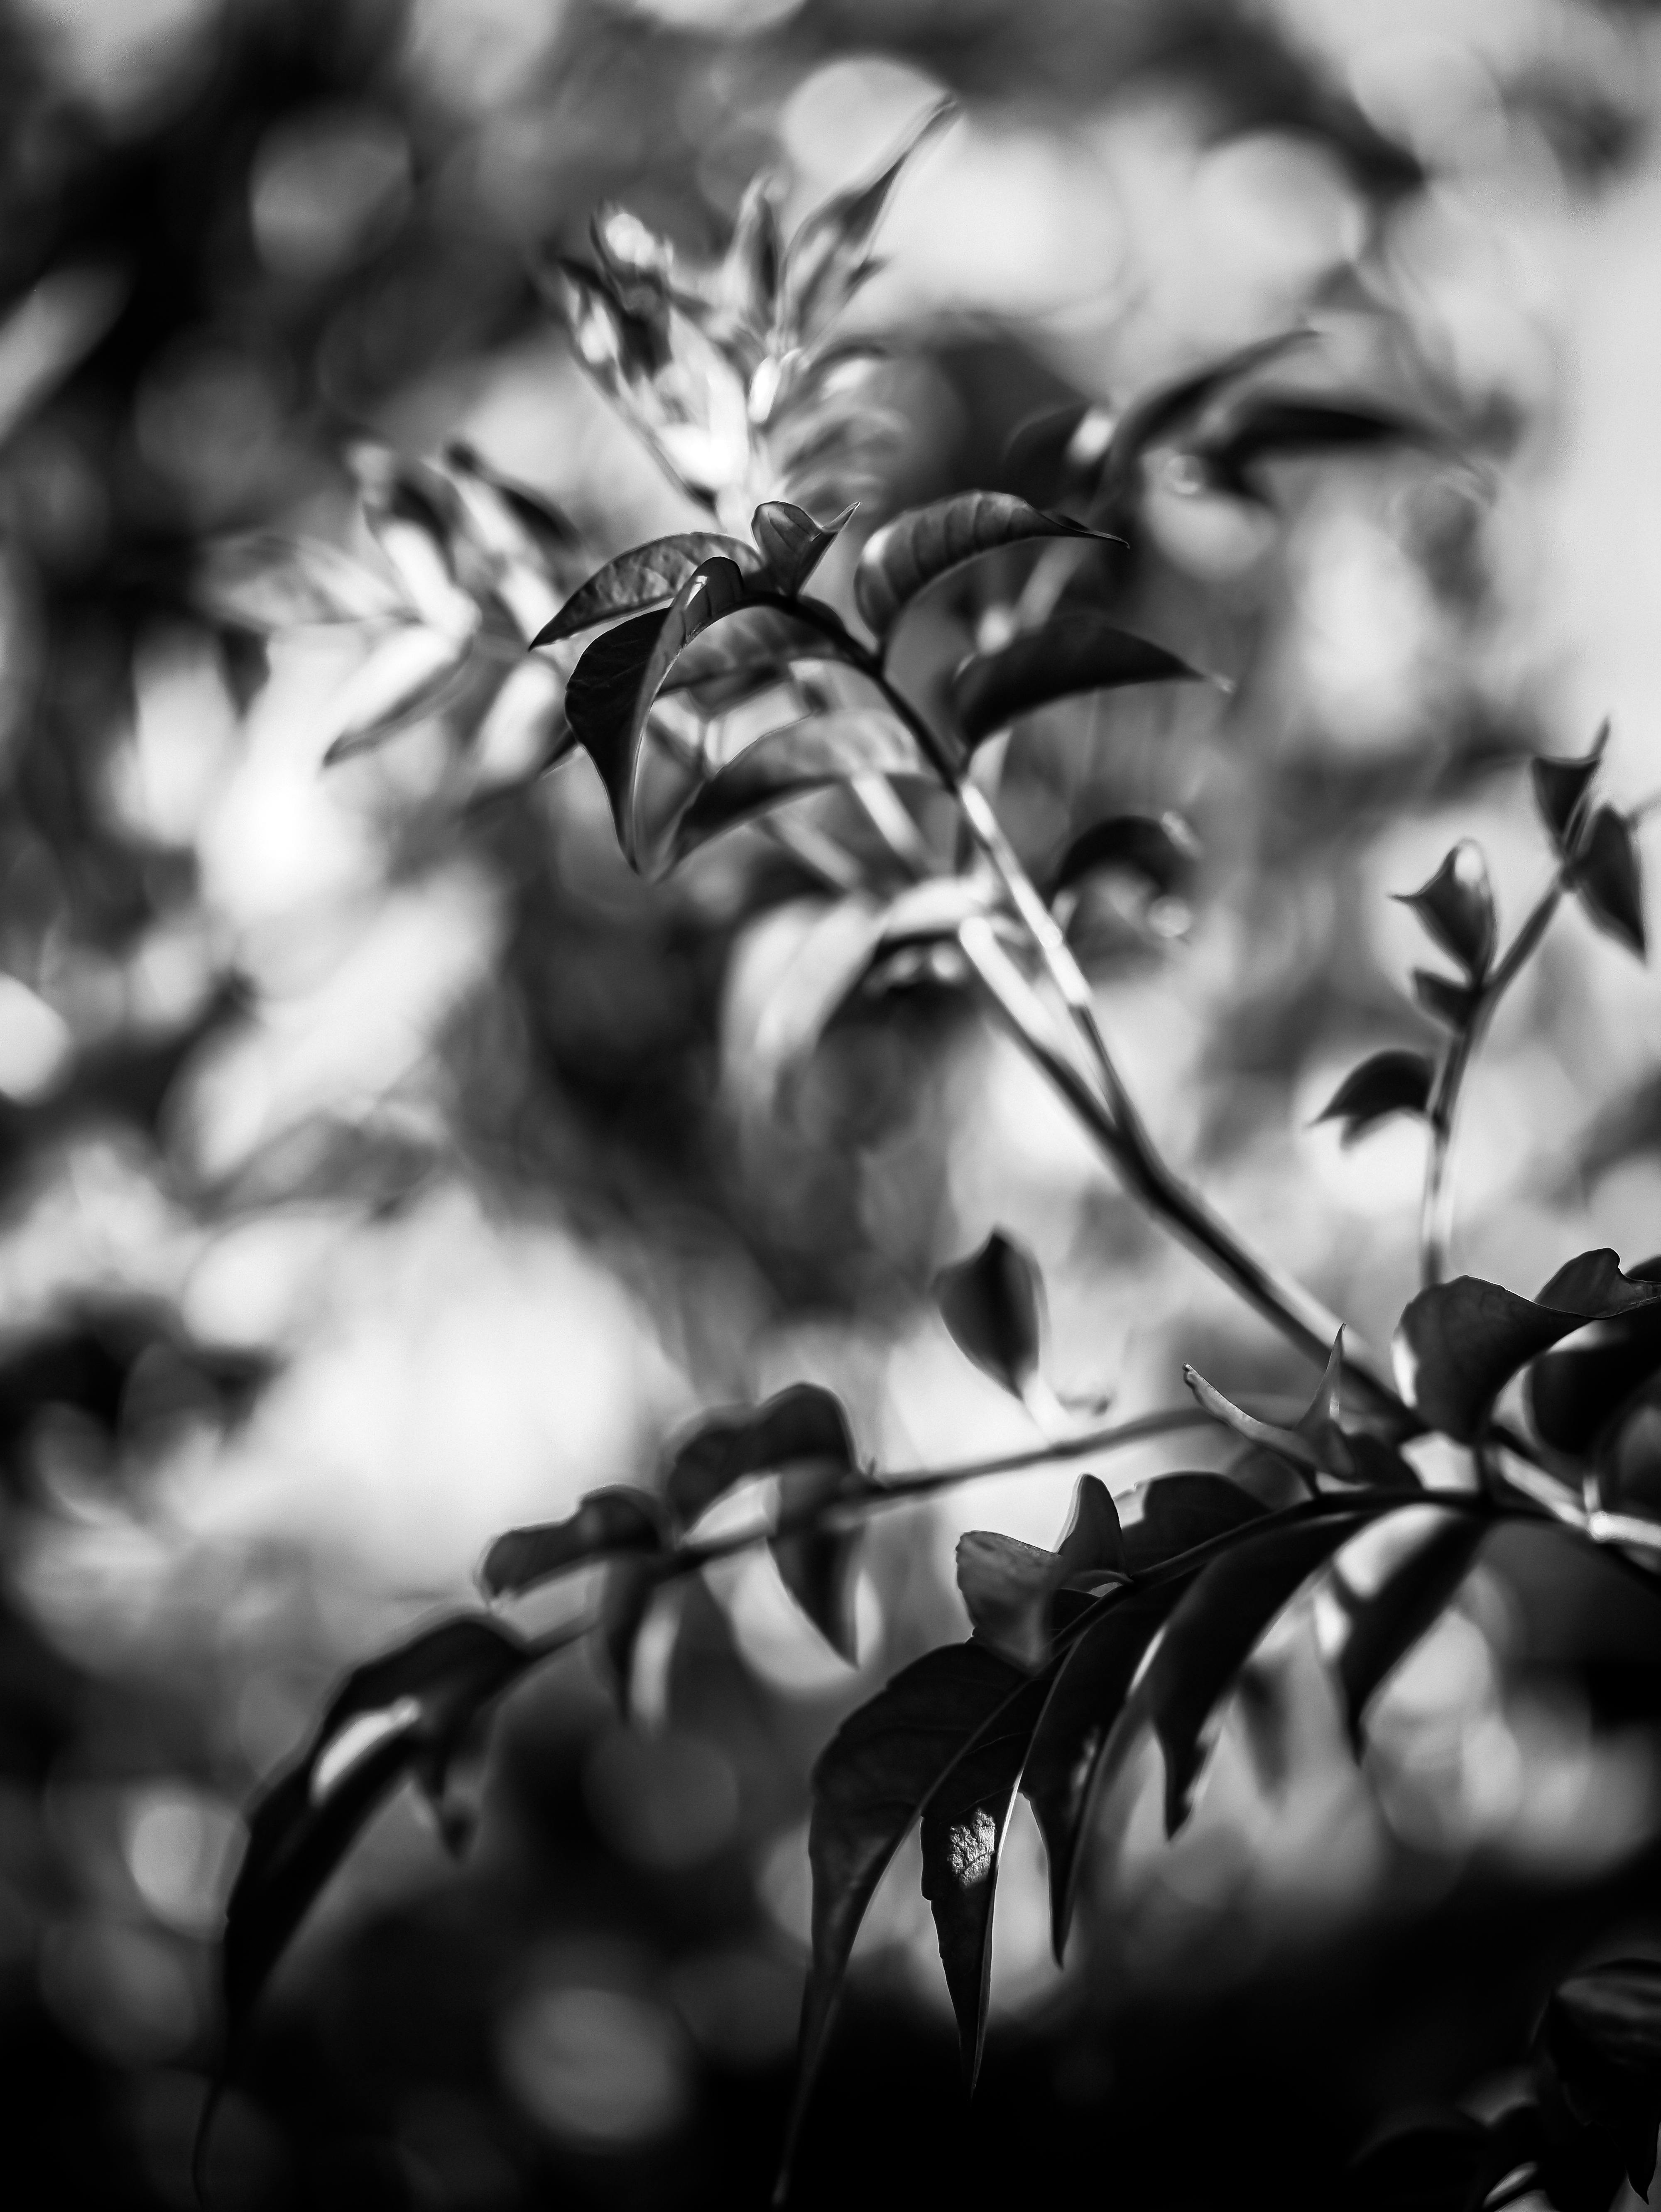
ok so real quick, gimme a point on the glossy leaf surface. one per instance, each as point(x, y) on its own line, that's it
point(910, 553)
point(1070, 655)
point(805, 755)
point(644, 577)
point(792, 545)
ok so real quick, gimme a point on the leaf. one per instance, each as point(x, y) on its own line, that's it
point(641, 578)
point(1269, 1435)
point(1183, 1511)
point(1162, 851)
point(791, 544)
point(819, 1564)
point(1450, 1003)
point(1602, 2033)
point(1457, 907)
point(964, 1828)
point(1560, 789)
point(826, 261)
point(910, 553)
point(414, 530)
point(1006, 1587)
point(1283, 426)
point(873, 1779)
point(749, 270)
point(1385, 1627)
point(1209, 1638)
point(613, 686)
point(805, 755)
point(1094, 1540)
point(1088, 1694)
point(609, 1521)
point(1609, 878)
point(992, 1303)
point(752, 647)
point(1165, 408)
point(404, 1712)
point(523, 524)
point(805, 1422)
point(409, 676)
point(1573, 1393)
point(1458, 1344)
point(1392, 1082)
point(1069, 654)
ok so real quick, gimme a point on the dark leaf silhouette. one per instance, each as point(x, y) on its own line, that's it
point(1603, 2035)
point(906, 555)
point(1457, 907)
point(1071, 654)
point(1459, 1343)
point(1163, 412)
point(826, 260)
point(804, 1423)
point(791, 544)
point(1609, 878)
point(1209, 1638)
point(643, 578)
point(1006, 1586)
point(783, 764)
point(1288, 427)
point(1161, 851)
point(993, 1305)
point(1094, 1542)
point(819, 1564)
point(1392, 1082)
point(872, 1780)
point(1446, 1001)
point(1181, 1511)
point(402, 1714)
point(742, 654)
point(1573, 1393)
point(1562, 789)
point(1385, 1627)
point(963, 1831)
point(610, 1521)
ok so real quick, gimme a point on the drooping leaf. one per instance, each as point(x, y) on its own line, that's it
point(612, 687)
point(1575, 1391)
point(819, 1564)
point(1609, 876)
point(1602, 2033)
point(1459, 1343)
point(1392, 1082)
point(826, 261)
point(609, 1521)
point(908, 554)
point(1162, 851)
point(400, 1714)
point(1445, 1001)
point(964, 1826)
point(1209, 1638)
point(1385, 1627)
point(792, 545)
point(1276, 425)
point(1562, 789)
point(873, 1779)
point(805, 756)
point(1087, 1695)
point(804, 1422)
point(644, 577)
point(993, 1305)
point(1069, 654)
point(1457, 907)
point(1181, 1511)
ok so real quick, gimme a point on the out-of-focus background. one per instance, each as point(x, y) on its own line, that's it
point(383, 1165)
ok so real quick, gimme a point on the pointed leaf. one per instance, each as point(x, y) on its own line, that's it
point(1094, 1540)
point(1457, 907)
point(1162, 851)
point(1603, 2035)
point(791, 544)
point(1183, 1511)
point(616, 1519)
point(1166, 408)
point(806, 756)
point(643, 577)
point(1385, 1627)
point(1300, 1449)
point(1391, 1082)
point(1209, 1638)
point(963, 1831)
point(803, 1422)
point(1006, 1587)
point(750, 270)
point(873, 1779)
point(1286, 425)
point(1562, 789)
point(413, 1704)
point(992, 1303)
point(409, 675)
point(1575, 1392)
point(818, 1565)
point(1087, 1696)
point(826, 261)
point(1448, 1002)
point(1071, 654)
point(1459, 1343)
point(1610, 879)
point(908, 554)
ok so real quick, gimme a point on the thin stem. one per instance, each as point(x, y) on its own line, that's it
point(1436, 1214)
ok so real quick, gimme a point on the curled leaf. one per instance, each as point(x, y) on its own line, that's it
point(1457, 907)
point(1006, 1587)
point(1609, 876)
point(1575, 1391)
point(643, 578)
point(1268, 1435)
point(1562, 789)
point(992, 1303)
point(1069, 654)
point(609, 1521)
point(792, 545)
point(1392, 1082)
point(806, 756)
point(908, 554)
point(827, 259)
